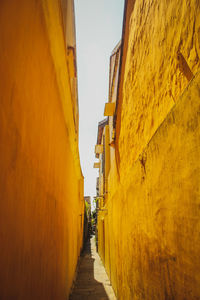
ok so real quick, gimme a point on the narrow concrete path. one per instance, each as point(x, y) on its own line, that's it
point(92, 281)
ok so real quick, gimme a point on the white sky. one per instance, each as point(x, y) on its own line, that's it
point(98, 30)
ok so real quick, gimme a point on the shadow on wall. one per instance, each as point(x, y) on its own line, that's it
point(86, 287)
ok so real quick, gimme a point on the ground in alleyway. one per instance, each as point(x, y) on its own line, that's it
point(92, 281)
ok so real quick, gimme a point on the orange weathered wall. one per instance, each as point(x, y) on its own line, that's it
point(154, 77)
point(41, 185)
point(152, 214)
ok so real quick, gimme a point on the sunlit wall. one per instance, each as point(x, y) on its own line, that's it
point(41, 185)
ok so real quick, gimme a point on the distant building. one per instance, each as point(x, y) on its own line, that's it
point(88, 199)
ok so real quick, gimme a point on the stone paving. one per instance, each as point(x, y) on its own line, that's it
point(92, 281)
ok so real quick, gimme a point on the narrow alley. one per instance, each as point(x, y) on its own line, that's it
point(92, 281)
point(100, 133)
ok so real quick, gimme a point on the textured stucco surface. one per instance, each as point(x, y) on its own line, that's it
point(149, 231)
point(153, 219)
point(154, 77)
point(41, 186)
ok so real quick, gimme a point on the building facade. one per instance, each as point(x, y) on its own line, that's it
point(148, 222)
point(41, 183)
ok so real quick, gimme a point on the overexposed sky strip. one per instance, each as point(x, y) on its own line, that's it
point(98, 30)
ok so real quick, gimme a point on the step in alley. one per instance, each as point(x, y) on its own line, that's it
point(92, 281)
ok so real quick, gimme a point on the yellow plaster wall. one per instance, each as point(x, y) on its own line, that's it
point(41, 185)
point(154, 78)
point(152, 219)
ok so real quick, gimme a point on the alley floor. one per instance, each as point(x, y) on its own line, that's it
point(92, 281)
